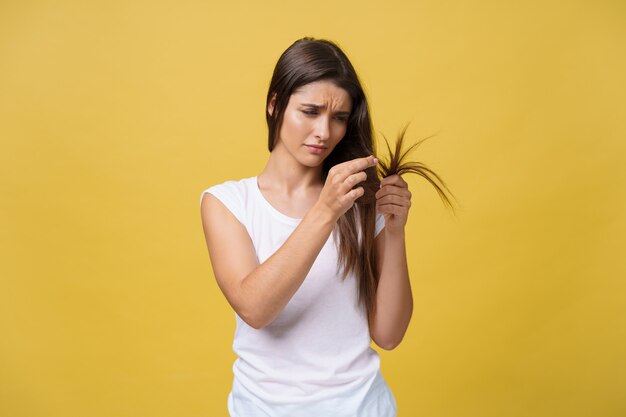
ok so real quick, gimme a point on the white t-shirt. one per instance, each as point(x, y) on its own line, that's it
point(315, 358)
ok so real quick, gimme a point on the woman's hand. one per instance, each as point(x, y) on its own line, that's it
point(393, 200)
point(338, 196)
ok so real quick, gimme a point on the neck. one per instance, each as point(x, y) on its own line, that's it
point(286, 175)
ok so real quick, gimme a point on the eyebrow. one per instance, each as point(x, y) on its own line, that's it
point(319, 106)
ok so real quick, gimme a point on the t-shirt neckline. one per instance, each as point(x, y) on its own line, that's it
point(272, 209)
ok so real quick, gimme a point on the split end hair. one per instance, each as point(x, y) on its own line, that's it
point(362, 257)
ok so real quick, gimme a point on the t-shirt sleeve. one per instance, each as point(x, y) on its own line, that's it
point(228, 195)
point(380, 223)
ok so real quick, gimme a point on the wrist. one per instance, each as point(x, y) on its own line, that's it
point(321, 215)
point(394, 233)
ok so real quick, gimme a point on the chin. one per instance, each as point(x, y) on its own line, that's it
point(312, 164)
point(311, 159)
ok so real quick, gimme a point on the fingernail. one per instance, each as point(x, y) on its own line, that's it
point(375, 160)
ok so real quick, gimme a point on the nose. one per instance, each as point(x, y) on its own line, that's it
point(322, 128)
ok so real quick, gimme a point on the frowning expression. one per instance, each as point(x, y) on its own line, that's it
point(315, 121)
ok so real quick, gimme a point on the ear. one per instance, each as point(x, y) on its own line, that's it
point(270, 106)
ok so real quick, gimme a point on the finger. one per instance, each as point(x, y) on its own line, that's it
point(354, 179)
point(394, 179)
point(356, 165)
point(395, 200)
point(392, 209)
point(355, 194)
point(388, 180)
point(393, 189)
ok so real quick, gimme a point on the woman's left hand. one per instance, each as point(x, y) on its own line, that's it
point(393, 200)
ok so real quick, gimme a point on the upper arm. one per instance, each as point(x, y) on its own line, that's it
point(230, 248)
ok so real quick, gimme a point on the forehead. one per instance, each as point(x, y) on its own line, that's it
point(323, 92)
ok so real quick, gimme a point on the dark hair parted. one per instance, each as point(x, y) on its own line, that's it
point(308, 60)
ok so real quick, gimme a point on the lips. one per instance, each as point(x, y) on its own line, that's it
point(316, 150)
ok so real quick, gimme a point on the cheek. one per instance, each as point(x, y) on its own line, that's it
point(338, 138)
point(341, 132)
point(294, 123)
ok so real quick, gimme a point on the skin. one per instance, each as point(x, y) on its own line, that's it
point(394, 300)
point(291, 182)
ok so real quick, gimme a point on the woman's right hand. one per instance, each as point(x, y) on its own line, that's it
point(337, 196)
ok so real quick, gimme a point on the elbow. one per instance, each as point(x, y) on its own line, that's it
point(255, 311)
point(254, 319)
point(252, 323)
point(388, 340)
point(250, 311)
point(258, 325)
point(389, 344)
point(255, 326)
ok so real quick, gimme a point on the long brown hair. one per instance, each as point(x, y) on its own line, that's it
point(308, 60)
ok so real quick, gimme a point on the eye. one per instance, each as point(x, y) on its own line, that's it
point(313, 112)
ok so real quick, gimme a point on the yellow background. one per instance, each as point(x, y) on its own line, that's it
point(116, 115)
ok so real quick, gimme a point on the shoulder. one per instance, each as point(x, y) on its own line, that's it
point(229, 185)
point(232, 194)
point(229, 188)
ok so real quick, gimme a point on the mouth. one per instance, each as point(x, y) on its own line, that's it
point(316, 150)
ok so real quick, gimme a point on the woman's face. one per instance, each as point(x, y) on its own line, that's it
point(315, 120)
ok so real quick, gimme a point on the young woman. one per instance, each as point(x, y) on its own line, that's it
point(310, 253)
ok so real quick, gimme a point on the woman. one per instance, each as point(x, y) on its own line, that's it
point(278, 240)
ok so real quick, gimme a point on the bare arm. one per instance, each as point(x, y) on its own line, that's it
point(394, 299)
point(259, 292)
point(260, 295)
